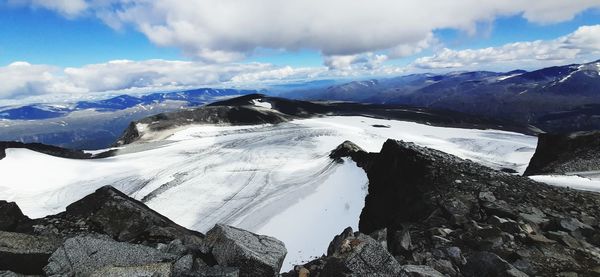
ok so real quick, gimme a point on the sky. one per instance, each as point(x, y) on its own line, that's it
point(53, 49)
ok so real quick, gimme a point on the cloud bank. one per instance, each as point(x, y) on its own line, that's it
point(581, 45)
point(22, 79)
point(229, 30)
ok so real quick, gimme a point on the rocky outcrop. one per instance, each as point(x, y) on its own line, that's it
point(86, 255)
point(566, 153)
point(25, 254)
point(464, 219)
point(10, 216)
point(353, 151)
point(255, 255)
point(351, 254)
point(52, 150)
point(236, 115)
point(108, 233)
point(110, 212)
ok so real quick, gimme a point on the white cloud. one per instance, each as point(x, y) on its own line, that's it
point(227, 30)
point(581, 45)
point(21, 79)
point(365, 61)
point(69, 8)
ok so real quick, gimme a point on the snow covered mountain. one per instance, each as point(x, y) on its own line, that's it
point(272, 179)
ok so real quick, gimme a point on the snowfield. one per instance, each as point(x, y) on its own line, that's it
point(583, 182)
point(274, 180)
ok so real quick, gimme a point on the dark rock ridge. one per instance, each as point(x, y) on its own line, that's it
point(51, 150)
point(108, 233)
point(454, 217)
point(243, 111)
point(566, 153)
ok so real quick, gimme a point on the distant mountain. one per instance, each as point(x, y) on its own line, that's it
point(33, 112)
point(189, 98)
point(565, 93)
point(96, 124)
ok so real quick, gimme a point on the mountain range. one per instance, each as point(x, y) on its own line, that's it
point(554, 99)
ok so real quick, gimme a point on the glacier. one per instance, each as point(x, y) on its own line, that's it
point(275, 180)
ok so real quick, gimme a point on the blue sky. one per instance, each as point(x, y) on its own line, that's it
point(45, 37)
point(74, 44)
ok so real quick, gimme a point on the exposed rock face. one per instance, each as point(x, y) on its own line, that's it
point(253, 254)
point(349, 149)
point(110, 234)
point(86, 255)
point(111, 212)
point(25, 254)
point(51, 150)
point(352, 254)
point(464, 219)
point(10, 216)
point(562, 153)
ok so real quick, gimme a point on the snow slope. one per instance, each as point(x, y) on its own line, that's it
point(271, 179)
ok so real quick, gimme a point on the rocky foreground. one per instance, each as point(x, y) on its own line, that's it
point(427, 214)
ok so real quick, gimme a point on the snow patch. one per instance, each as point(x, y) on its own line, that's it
point(260, 103)
point(570, 181)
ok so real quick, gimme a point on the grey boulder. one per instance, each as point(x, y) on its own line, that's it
point(253, 254)
point(26, 254)
point(87, 255)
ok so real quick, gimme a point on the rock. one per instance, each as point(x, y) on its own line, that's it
point(10, 216)
point(487, 196)
point(183, 265)
point(455, 254)
point(381, 237)
point(111, 212)
point(362, 255)
point(254, 255)
point(346, 149)
point(154, 270)
point(562, 153)
point(486, 210)
point(457, 210)
point(352, 254)
point(539, 238)
point(535, 216)
point(86, 255)
point(4, 273)
point(489, 264)
point(25, 254)
point(217, 271)
point(419, 271)
point(572, 224)
point(564, 238)
point(442, 266)
point(402, 241)
point(303, 272)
